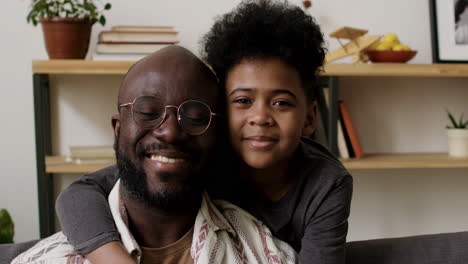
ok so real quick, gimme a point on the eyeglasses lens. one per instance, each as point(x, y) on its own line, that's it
point(194, 117)
point(148, 112)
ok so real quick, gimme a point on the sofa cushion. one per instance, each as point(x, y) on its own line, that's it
point(9, 251)
point(447, 248)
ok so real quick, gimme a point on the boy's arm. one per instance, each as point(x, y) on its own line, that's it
point(325, 236)
point(112, 252)
point(84, 212)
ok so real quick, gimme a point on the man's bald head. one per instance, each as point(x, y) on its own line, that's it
point(172, 62)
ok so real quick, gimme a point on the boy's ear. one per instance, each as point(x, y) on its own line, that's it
point(310, 121)
point(116, 124)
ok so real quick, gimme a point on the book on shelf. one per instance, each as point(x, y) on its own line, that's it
point(320, 133)
point(118, 56)
point(130, 36)
point(350, 130)
point(341, 142)
point(144, 48)
point(65, 160)
point(92, 152)
point(143, 28)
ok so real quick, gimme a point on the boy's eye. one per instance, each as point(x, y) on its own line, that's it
point(242, 101)
point(282, 103)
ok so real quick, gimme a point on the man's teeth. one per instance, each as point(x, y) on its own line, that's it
point(166, 159)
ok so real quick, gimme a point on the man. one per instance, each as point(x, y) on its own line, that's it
point(165, 134)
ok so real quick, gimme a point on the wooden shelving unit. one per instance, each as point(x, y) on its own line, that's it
point(49, 165)
point(371, 161)
point(406, 161)
point(382, 69)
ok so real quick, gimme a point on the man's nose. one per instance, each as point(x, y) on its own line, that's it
point(170, 131)
point(260, 115)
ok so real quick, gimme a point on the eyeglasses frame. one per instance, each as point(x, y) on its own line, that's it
point(165, 113)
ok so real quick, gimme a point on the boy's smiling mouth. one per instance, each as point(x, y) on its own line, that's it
point(261, 142)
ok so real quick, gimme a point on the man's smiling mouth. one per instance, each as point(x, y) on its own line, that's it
point(169, 160)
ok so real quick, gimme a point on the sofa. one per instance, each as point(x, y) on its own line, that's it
point(446, 248)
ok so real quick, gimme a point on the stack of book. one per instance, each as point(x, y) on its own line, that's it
point(348, 143)
point(132, 43)
point(91, 154)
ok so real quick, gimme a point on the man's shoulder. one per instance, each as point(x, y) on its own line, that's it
point(52, 250)
point(109, 170)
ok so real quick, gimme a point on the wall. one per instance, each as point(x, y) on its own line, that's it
point(392, 114)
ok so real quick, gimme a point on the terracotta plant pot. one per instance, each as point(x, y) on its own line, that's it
point(66, 38)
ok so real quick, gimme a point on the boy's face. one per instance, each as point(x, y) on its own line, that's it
point(267, 111)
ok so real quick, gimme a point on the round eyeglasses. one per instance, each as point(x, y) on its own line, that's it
point(149, 112)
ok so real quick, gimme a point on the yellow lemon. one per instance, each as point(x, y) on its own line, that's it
point(400, 47)
point(406, 47)
point(391, 39)
point(383, 46)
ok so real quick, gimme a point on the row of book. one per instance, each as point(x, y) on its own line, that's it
point(132, 43)
point(348, 143)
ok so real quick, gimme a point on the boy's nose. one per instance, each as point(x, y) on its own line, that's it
point(260, 116)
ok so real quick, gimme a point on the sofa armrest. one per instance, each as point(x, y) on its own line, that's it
point(446, 248)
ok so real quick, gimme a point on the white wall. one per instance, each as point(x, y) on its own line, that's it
point(392, 114)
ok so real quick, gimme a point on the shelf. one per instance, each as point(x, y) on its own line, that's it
point(81, 67)
point(378, 69)
point(372, 161)
point(406, 161)
point(59, 164)
point(397, 69)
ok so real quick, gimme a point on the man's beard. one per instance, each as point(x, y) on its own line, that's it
point(134, 179)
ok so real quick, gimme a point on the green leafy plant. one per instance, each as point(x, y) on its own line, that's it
point(463, 124)
point(7, 228)
point(85, 9)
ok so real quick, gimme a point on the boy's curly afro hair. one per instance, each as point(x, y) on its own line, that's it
point(261, 29)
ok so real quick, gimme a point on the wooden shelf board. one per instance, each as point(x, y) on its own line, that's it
point(81, 67)
point(397, 69)
point(59, 164)
point(405, 161)
point(377, 69)
point(370, 161)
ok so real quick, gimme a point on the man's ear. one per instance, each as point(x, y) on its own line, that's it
point(116, 124)
point(310, 121)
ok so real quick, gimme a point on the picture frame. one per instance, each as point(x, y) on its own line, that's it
point(449, 30)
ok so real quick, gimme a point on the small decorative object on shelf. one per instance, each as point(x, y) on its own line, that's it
point(390, 49)
point(7, 228)
point(364, 47)
point(457, 137)
point(66, 25)
point(358, 42)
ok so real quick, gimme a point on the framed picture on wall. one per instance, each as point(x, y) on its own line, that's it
point(449, 25)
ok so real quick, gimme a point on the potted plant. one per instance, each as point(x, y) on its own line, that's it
point(66, 25)
point(7, 228)
point(457, 137)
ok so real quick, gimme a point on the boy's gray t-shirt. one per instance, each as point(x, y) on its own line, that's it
point(311, 217)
